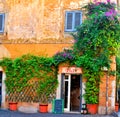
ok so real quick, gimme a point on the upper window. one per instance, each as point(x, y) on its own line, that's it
point(72, 20)
point(2, 21)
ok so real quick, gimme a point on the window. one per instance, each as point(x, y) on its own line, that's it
point(72, 20)
point(2, 21)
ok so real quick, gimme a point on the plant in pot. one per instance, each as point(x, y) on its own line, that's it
point(13, 102)
point(91, 95)
point(46, 92)
point(12, 94)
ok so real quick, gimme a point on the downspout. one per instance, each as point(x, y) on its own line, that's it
point(80, 94)
point(107, 81)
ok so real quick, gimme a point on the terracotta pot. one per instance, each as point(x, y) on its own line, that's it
point(13, 106)
point(116, 107)
point(43, 108)
point(92, 108)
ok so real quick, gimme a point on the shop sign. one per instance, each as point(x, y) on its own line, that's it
point(74, 70)
point(58, 106)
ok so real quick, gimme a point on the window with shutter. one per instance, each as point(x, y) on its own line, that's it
point(72, 20)
point(69, 20)
point(2, 21)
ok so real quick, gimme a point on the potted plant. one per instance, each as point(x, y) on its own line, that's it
point(116, 107)
point(46, 89)
point(13, 105)
point(12, 96)
point(92, 95)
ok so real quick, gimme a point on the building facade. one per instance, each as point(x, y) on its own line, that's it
point(43, 27)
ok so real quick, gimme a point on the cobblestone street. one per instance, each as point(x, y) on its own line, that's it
point(7, 113)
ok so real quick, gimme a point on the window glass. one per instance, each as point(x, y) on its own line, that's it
point(77, 19)
point(2, 18)
point(69, 20)
point(72, 20)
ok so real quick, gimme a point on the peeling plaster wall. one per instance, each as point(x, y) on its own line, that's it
point(23, 18)
point(35, 21)
point(107, 95)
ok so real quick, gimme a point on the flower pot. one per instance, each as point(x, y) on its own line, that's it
point(43, 108)
point(92, 108)
point(13, 106)
point(116, 107)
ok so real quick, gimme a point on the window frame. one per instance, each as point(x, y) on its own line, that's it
point(73, 20)
point(3, 22)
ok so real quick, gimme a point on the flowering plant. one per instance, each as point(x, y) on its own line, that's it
point(66, 55)
point(98, 37)
point(102, 9)
point(96, 40)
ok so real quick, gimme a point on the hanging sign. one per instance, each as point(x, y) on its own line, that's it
point(75, 70)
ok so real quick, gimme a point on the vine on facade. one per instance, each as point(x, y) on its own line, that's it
point(96, 41)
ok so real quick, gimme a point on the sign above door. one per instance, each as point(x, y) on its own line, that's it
point(72, 70)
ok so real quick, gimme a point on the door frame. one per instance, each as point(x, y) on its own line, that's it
point(69, 87)
point(62, 92)
point(1, 75)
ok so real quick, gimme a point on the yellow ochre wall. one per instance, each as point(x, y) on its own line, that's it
point(17, 50)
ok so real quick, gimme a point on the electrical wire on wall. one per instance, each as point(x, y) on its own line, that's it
point(107, 82)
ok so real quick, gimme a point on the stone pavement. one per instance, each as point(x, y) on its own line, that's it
point(8, 113)
point(118, 114)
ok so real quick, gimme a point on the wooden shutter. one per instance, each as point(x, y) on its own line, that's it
point(2, 18)
point(77, 19)
point(69, 21)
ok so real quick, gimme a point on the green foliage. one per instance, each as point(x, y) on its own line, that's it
point(65, 55)
point(92, 87)
point(118, 69)
point(96, 40)
point(47, 87)
point(20, 70)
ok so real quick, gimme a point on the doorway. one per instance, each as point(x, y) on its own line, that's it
point(0, 87)
point(71, 92)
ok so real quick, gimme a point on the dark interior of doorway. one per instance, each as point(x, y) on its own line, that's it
point(0, 87)
point(75, 93)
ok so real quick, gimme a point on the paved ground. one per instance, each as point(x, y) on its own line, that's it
point(7, 113)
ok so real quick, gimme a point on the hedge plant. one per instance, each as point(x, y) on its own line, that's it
point(22, 69)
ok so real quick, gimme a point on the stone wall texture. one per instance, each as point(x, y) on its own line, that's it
point(37, 27)
point(34, 20)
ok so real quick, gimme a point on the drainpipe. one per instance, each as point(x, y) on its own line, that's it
point(107, 92)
